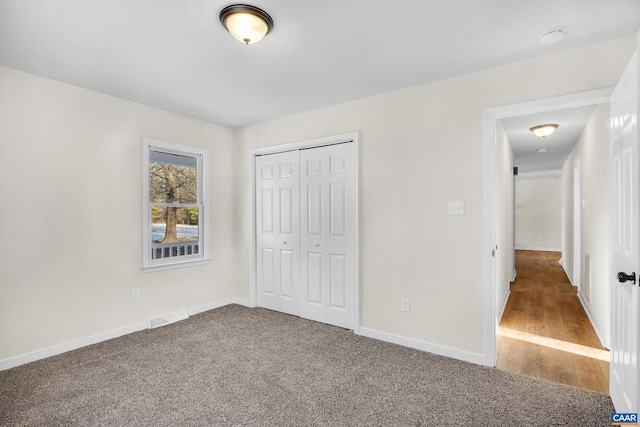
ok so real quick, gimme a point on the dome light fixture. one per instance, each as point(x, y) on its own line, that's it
point(247, 24)
point(544, 130)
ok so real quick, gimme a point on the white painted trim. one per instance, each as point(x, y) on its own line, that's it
point(177, 264)
point(511, 197)
point(490, 116)
point(253, 284)
point(503, 306)
point(307, 143)
point(356, 157)
point(54, 350)
point(513, 276)
point(489, 238)
point(298, 145)
point(465, 356)
point(71, 345)
point(596, 327)
point(202, 156)
point(538, 248)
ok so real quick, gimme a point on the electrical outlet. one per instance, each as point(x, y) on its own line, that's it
point(405, 304)
point(135, 294)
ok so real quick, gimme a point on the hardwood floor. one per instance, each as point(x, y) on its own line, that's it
point(545, 332)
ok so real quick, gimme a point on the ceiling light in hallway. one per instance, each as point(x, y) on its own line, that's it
point(544, 130)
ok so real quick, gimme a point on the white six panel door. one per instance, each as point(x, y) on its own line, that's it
point(624, 242)
point(278, 232)
point(327, 222)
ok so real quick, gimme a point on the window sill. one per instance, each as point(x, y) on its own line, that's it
point(174, 265)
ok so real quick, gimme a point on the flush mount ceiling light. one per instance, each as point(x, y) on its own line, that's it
point(551, 36)
point(542, 150)
point(544, 130)
point(247, 24)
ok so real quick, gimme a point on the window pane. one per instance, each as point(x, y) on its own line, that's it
point(173, 224)
point(172, 182)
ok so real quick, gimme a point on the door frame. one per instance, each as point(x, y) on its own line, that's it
point(298, 145)
point(576, 268)
point(490, 116)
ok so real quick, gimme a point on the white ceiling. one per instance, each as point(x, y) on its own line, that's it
point(175, 55)
point(559, 144)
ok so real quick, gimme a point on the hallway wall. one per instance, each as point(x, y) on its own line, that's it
point(504, 177)
point(591, 151)
point(538, 214)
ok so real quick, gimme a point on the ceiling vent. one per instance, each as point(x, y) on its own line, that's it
point(551, 36)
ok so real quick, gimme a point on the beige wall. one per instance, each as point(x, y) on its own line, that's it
point(503, 198)
point(71, 245)
point(539, 214)
point(420, 148)
point(70, 164)
point(591, 151)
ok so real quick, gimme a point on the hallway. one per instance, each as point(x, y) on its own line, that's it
point(545, 332)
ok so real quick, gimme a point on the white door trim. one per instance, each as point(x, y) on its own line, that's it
point(490, 116)
point(576, 270)
point(309, 143)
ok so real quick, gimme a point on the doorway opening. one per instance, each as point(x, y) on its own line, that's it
point(495, 300)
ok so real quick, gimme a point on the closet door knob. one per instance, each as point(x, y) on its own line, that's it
point(317, 245)
point(284, 243)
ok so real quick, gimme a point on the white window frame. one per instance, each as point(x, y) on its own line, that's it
point(202, 157)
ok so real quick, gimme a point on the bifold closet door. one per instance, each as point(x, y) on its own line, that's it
point(278, 232)
point(327, 223)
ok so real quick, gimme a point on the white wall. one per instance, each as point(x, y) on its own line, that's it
point(591, 152)
point(70, 176)
point(421, 148)
point(503, 198)
point(539, 214)
point(71, 228)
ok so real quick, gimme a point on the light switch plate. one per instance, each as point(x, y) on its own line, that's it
point(456, 208)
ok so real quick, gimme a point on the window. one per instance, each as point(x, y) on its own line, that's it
point(175, 205)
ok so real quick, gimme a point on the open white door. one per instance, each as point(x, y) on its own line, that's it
point(624, 242)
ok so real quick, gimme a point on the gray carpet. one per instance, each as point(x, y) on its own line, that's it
point(237, 366)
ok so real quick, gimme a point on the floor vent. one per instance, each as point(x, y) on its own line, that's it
point(169, 318)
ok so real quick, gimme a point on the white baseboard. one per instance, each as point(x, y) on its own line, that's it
point(104, 336)
point(596, 326)
point(71, 345)
point(503, 306)
point(513, 276)
point(478, 359)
